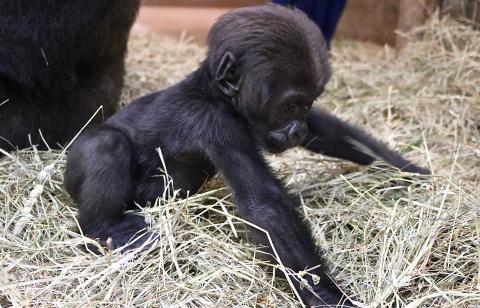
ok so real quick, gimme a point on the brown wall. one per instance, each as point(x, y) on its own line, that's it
point(369, 20)
point(379, 21)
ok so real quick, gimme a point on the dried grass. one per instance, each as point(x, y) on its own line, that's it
point(415, 244)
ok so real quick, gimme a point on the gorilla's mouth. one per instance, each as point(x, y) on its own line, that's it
point(290, 136)
point(275, 146)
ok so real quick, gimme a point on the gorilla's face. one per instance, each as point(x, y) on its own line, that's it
point(274, 96)
point(287, 102)
point(288, 127)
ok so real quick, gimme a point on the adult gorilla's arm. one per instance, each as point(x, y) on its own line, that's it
point(331, 136)
point(263, 201)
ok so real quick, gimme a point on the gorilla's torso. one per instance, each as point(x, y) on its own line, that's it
point(174, 140)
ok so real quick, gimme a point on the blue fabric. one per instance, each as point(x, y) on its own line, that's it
point(325, 13)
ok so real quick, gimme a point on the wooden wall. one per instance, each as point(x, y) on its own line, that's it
point(371, 20)
point(368, 20)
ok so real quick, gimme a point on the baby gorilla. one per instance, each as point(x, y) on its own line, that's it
point(264, 68)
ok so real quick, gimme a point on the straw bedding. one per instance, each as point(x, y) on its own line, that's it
point(391, 239)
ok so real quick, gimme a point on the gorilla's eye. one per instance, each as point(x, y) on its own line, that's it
point(291, 108)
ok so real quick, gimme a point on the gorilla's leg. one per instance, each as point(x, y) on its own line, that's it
point(186, 176)
point(98, 176)
point(331, 136)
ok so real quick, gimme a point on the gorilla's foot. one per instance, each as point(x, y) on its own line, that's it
point(416, 169)
point(326, 296)
point(128, 233)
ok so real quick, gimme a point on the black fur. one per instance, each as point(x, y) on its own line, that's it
point(254, 91)
point(59, 61)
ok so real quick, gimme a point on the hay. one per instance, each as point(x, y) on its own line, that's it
point(414, 244)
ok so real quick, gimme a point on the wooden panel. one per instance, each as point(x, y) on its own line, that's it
point(370, 20)
point(367, 20)
point(413, 13)
point(195, 21)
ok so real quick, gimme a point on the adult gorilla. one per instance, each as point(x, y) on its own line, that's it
point(59, 61)
point(264, 68)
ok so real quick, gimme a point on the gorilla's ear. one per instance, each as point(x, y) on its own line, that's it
point(227, 75)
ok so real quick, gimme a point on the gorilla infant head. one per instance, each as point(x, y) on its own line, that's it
point(273, 62)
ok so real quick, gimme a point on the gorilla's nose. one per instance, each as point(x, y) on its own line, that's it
point(297, 132)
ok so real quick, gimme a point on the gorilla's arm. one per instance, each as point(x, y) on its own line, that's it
point(331, 136)
point(263, 201)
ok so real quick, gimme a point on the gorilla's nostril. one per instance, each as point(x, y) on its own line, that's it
point(294, 137)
